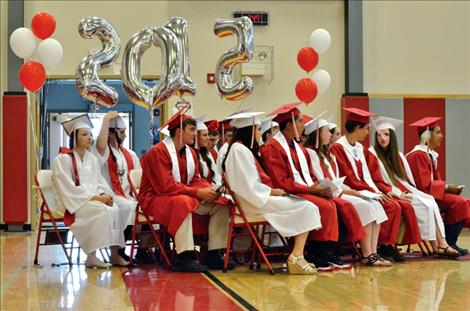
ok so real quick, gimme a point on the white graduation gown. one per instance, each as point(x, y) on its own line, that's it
point(368, 211)
point(289, 216)
point(426, 209)
point(96, 225)
point(128, 204)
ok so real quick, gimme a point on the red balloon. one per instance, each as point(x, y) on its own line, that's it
point(306, 90)
point(32, 76)
point(43, 25)
point(307, 58)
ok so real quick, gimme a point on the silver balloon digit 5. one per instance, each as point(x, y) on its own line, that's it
point(88, 82)
point(243, 28)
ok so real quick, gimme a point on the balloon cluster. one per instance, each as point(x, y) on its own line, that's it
point(46, 55)
point(307, 89)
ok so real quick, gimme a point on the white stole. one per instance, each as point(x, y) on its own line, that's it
point(385, 176)
point(175, 168)
point(360, 156)
point(279, 137)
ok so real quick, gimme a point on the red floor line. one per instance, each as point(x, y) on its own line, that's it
point(153, 288)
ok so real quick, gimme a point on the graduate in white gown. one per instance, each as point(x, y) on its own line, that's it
point(207, 163)
point(370, 212)
point(115, 163)
point(291, 217)
point(390, 164)
point(83, 196)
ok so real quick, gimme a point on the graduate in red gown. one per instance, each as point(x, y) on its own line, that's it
point(214, 136)
point(172, 190)
point(289, 166)
point(423, 163)
point(349, 153)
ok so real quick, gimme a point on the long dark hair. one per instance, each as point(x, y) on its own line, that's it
point(244, 136)
point(204, 153)
point(390, 157)
point(323, 151)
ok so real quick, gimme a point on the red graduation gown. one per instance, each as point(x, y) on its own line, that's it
point(428, 179)
point(412, 234)
point(388, 229)
point(346, 210)
point(278, 168)
point(168, 201)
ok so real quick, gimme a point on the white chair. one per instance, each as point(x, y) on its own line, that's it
point(43, 180)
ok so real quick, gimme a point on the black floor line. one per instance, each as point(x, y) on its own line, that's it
point(234, 295)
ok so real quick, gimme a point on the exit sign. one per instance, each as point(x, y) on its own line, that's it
point(259, 18)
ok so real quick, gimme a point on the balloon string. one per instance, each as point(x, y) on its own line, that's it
point(150, 117)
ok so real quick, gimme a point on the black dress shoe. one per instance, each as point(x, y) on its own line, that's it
point(216, 262)
point(462, 251)
point(388, 251)
point(187, 264)
point(143, 256)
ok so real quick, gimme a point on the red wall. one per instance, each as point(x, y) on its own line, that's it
point(417, 108)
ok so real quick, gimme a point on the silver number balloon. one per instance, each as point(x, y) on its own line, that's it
point(179, 26)
point(139, 92)
point(89, 84)
point(243, 28)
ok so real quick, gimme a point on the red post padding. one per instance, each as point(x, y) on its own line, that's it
point(417, 108)
point(15, 161)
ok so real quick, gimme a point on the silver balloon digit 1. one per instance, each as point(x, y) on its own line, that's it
point(88, 82)
point(243, 28)
point(179, 26)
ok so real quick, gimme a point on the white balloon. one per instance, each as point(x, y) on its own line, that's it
point(320, 40)
point(49, 53)
point(322, 79)
point(23, 42)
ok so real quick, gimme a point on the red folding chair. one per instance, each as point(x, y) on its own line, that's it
point(238, 219)
point(43, 181)
point(142, 218)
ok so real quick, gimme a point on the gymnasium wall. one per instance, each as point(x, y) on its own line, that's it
point(3, 80)
point(416, 47)
point(291, 24)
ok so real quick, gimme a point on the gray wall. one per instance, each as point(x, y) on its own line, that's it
point(457, 142)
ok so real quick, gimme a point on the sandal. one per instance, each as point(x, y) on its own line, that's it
point(445, 253)
point(374, 260)
point(294, 268)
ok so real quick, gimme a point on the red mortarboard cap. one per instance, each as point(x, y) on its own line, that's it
point(176, 119)
point(425, 123)
point(212, 125)
point(226, 125)
point(285, 112)
point(358, 115)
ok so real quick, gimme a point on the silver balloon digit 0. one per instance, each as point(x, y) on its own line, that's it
point(88, 82)
point(140, 93)
point(243, 28)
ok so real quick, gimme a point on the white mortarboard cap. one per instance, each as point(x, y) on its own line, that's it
point(314, 124)
point(331, 124)
point(245, 119)
point(268, 124)
point(118, 123)
point(387, 123)
point(200, 123)
point(230, 117)
point(80, 122)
